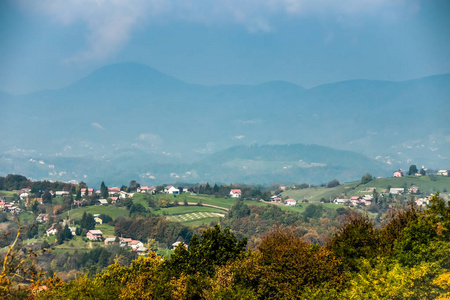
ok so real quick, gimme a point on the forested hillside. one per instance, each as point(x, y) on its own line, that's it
point(406, 258)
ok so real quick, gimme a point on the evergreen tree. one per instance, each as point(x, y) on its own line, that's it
point(103, 190)
point(47, 197)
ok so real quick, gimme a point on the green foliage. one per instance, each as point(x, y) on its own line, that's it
point(239, 210)
point(215, 248)
point(413, 170)
point(333, 183)
point(87, 222)
point(137, 208)
point(106, 219)
point(357, 239)
point(366, 178)
point(313, 211)
point(64, 234)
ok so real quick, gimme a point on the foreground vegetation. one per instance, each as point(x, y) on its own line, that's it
point(406, 258)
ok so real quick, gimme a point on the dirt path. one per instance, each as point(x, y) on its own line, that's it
point(90, 245)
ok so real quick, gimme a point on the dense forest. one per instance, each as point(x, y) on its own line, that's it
point(408, 257)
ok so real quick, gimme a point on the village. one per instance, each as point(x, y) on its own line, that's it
point(119, 197)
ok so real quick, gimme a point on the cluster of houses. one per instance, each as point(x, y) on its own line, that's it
point(10, 207)
point(135, 245)
point(399, 173)
point(355, 200)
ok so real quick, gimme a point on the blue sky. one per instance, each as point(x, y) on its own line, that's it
point(49, 43)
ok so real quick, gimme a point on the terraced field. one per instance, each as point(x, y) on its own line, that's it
point(195, 216)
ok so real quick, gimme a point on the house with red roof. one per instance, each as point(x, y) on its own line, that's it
point(125, 242)
point(114, 191)
point(398, 173)
point(235, 193)
point(94, 235)
point(290, 202)
point(90, 191)
point(135, 244)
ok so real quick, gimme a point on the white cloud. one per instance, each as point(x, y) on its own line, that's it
point(239, 137)
point(148, 137)
point(97, 125)
point(110, 22)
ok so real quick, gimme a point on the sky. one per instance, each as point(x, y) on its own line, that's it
point(49, 44)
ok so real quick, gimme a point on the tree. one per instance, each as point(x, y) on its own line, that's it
point(333, 183)
point(78, 196)
point(137, 208)
point(87, 221)
point(215, 248)
point(47, 197)
point(133, 186)
point(64, 234)
point(313, 211)
point(423, 172)
point(366, 178)
point(412, 170)
point(151, 245)
point(103, 190)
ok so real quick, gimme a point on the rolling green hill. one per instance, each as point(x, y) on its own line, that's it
point(426, 184)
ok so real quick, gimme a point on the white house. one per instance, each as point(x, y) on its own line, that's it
point(174, 245)
point(171, 190)
point(61, 193)
point(396, 191)
point(422, 202)
point(51, 231)
point(340, 200)
point(290, 202)
point(103, 201)
point(443, 172)
point(235, 193)
point(123, 195)
point(141, 251)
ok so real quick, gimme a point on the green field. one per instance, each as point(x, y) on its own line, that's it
point(199, 222)
point(111, 211)
point(76, 243)
point(106, 229)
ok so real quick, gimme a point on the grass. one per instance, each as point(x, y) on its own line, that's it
point(76, 243)
point(26, 216)
point(111, 211)
point(315, 194)
point(199, 222)
point(139, 198)
point(106, 229)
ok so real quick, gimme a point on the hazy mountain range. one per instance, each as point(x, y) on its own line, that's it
point(128, 121)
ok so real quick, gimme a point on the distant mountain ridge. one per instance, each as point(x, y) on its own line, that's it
point(131, 107)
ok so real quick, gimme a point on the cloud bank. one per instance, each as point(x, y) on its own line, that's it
point(110, 23)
